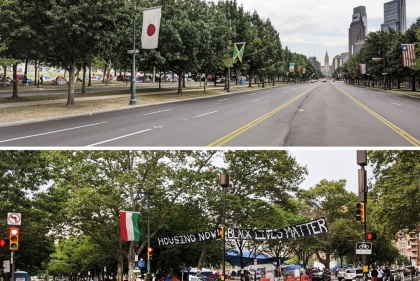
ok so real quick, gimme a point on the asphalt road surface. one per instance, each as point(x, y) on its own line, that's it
point(311, 114)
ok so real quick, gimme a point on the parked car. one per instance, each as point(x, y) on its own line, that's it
point(220, 80)
point(321, 276)
point(324, 80)
point(351, 273)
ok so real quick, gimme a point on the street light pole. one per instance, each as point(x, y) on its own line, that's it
point(362, 182)
point(263, 78)
point(224, 183)
point(133, 100)
point(384, 73)
point(148, 228)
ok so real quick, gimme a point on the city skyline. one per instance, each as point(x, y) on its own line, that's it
point(306, 28)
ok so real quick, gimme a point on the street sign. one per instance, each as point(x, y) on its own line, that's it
point(363, 248)
point(6, 266)
point(409, 251)
point(141, 263)
point(14, 219)
point(383, 73)
point(133, 51)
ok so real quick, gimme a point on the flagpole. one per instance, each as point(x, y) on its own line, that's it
point(133, 100)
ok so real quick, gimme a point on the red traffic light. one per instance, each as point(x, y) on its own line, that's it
point(150, 249)
point(4, 242)
point(370, 235)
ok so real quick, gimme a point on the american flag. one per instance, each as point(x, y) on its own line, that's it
point(408, 54)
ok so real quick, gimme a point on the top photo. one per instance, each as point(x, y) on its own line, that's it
point(200, 73)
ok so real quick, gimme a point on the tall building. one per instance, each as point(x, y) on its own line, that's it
point(326, 69)
point(336, 63)
point(315, 63)
point(395, 16)
point(345, 56)
point(358, 29)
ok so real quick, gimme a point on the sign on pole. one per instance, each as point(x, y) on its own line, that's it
point(6, 266)
point(363, 248)
point(14, 219)
point(409, 251)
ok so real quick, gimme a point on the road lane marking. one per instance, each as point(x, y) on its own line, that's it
point(396, 103)
point(296, 108)
point(154, 112)
point(255, 122)
point(373, 96)
point(256, 100)
point(53, 132)
point(120, 137)
point(223, 100)
point(395, 128)
point(201, 115)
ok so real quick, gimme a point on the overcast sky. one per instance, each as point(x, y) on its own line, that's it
point(330, 165)
point(313, 27)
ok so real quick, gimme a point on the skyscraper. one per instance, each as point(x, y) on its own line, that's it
point(395, 16)
point(358, 29)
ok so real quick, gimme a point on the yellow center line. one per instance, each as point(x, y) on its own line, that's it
point(251, 124)
point(395, 128)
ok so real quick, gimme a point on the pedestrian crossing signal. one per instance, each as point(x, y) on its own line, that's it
point(370, 235)
point(4, 242)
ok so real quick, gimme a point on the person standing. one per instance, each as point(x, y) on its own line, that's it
point(380, 275)
point(41, 79)
point(374, 274)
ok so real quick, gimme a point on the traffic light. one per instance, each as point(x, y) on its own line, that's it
point(371, 235)
point(149, 253)
point(360, 212)
point(222, 232)
point(14, 238)
point(4, 242)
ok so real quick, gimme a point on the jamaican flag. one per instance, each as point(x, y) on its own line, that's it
point(238, 51)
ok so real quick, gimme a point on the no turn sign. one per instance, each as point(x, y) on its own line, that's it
point(14, 219)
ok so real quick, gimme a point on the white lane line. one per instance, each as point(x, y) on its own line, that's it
point(223, 100)
point(285, 92)
point(256, 100)
point(396, 103)
point(117, 138)
point(373, 96)
point(154, 112)
point(205, 114)
point(53, 132)
point(253, 94)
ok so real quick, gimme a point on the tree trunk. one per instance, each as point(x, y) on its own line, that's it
point(70, 94)
point(120, 268)
point(15, 93)
point(202, 257)
point(83, 79)
point(414, 84)
point(179, 83)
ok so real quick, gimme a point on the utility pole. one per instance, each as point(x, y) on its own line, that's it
point(362, 162)
point(224, 183)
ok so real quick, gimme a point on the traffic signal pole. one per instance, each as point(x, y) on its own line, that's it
point(362, 162)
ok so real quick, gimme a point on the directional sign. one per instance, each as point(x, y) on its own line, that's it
point(14, 219)
point(6, 266)
point(363, 248)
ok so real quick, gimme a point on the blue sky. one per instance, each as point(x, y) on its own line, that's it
point(313, 27)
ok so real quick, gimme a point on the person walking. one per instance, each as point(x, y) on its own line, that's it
point(41, 79)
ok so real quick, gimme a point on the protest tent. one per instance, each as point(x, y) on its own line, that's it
point(248, 257)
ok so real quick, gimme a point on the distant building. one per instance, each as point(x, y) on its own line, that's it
point(336, 63)
point(395, 16)
point(326, 69)
point(315, 63)
point(345, 56)
point(358, 29)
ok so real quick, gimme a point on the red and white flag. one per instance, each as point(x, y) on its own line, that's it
point(151, 26)
point(362, 68)
point(129, 226)
point(408, 54)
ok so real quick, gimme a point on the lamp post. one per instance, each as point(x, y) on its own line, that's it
point(148, 227)
point(224, 183)
point(133, 100)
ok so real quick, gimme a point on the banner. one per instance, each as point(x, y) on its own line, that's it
point(362, 68)
point(408, 55)
point(292, 67)
point(151, 26)
point(304, 229)
point(238, 51)
point(190, 238)
point(309, 228)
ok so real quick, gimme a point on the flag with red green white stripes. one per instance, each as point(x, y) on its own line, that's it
point(129, 226)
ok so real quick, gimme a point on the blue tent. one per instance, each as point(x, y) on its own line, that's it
point(291, 266)
point(248, 258)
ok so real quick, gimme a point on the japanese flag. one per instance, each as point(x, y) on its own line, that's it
point(151, 25)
